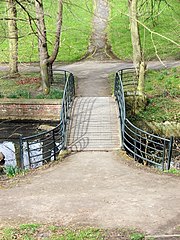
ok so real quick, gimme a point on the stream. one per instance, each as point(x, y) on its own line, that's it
point(9, 138)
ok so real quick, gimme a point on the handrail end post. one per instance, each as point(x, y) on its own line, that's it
point(170, 152)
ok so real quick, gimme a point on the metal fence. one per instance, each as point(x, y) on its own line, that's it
point(145, 147)
point(43, 147)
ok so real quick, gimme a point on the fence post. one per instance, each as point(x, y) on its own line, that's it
point(163, 159)
point(170, 153)
point(116, 84)
point(73, 84)
point(65, 76)
point(54, 145)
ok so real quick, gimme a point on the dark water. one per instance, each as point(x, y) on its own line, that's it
point(10, 132)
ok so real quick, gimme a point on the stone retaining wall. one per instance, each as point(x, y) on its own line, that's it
point(165, 129)
point(30, 109)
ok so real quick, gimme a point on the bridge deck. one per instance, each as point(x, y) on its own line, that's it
point(94, 124)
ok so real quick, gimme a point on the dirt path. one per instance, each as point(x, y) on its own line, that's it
point(93, 75)
point(97, 189)
point(98, 45)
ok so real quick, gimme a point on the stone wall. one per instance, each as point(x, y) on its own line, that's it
point(30, 109)
point(164, 129)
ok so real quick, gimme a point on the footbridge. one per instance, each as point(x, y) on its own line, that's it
point(96, 123)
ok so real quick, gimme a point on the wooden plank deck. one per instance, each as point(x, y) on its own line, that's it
point(94, 125)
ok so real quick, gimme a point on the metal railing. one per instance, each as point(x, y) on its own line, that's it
point(143, 146)
point(43, 147)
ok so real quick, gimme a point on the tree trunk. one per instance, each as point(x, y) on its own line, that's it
point(138, 60)
point(47, 61)
point(54, 54)
point(42, 44)
point(13, 36)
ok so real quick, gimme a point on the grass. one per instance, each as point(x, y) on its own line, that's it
point(28, 86)
point(163, 82)
point(13, 171)
point(53, 232)
point(166, 25)
point(162, 88)
point(54, 94)
point(173, 171)
point(75, 32)
point(137, 236)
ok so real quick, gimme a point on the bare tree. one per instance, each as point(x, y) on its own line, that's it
point(138, 58)
point(47, 60)
point(13, 36)
point(38, 27)
point(149, 10)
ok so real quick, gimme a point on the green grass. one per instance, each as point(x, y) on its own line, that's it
point(163, 92)
point(27, 86)
point(75, 32)
point(53, 232)
point(160, 110)
point(167, 25)
point(13, 171)
point(173, 171)
point(163, 82)
point(137, 236)
point(19, 87)
point(77, 29)
point(162, 88)
point(54, 94)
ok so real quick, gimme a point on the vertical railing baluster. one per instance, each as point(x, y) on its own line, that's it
point(163, 157)
point(21, 152)
point(29, 155)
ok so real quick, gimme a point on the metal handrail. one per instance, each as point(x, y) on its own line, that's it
point(143, 146)
point(40, 148)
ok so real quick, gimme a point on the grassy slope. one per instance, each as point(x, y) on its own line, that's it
point(119, 32)
point(162, 88)
point(163, 91)
point(75, 32)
